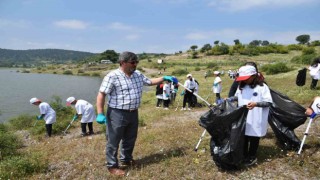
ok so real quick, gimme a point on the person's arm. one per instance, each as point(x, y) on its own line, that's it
point(156, 81)
point(251, 105)
point(100, 102)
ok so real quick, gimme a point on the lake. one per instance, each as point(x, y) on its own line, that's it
point(16, 89)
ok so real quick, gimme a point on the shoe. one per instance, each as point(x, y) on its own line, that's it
point(183, 109)
point(91, 133)
point(116, 171)
point(166, 108)
point(83, 134)
point(158, 107)
point(189, 109)
point(128, 163)
point(250, 161)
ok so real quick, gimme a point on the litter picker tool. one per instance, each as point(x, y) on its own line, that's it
point(201, 137)
point(210, 107)
point(305, 135)
point(64, 132)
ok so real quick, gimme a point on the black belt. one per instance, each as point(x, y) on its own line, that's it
point(128, 110)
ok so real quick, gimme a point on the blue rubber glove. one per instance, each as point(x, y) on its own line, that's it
point(167, 95)
point(182, 93)
point(313, 115)
point(75, 117)
point(39, 117)
point(101, 119)
point(215, 84)
point(171, 79)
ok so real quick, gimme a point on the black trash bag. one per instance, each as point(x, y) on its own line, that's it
point(301, 77)
point(226, 125)
point(284, 116)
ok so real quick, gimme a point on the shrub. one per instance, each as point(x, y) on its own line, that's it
point(18, 167)
point(80, 71)
point(67, 72)
point(211, 65)
point(9, 142)
point(303, 59)
point(23, 121)
point(275, 68)
point(179, 72)
point(295, 47)
point(308, 50)
point(95, 74)
point(197, 69)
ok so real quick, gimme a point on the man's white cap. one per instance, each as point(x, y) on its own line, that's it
point(70, 100)
point(216, 72)
point(33, 100)
point(189, 75)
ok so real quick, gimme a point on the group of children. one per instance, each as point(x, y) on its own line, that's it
point(84, 111)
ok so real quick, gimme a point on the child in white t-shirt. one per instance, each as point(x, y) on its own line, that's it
point(217, 86)
point(253, 93)
point(166, 94)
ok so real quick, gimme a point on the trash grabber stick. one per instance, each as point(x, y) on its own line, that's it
point(305, 135)
point(35, 123)
point(208, 104)
point(64, 132)
point(201, 137)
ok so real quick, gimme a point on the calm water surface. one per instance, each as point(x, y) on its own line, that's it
point(16, 89)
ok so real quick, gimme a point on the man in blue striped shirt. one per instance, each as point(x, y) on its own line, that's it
point(123, 88)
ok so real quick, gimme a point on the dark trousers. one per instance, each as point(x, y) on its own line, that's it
point(49, 129)
point(122, 127)
point(159, 101)
point(251, 145)
point(313, 83)
point(187, 98)
point(166, 103)
point(84, 129)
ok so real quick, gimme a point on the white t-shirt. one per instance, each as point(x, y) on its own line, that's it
point(86, 110)
point(316, 105)
point(50, 114)
point(315, 72)
point(166, 90)
point(190, 84)
point(218, 87)
point(257, 118)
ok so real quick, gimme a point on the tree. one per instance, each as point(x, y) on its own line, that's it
point(109, 55)
point(303, 39)
point(193, 47)
point(265, 43)
point(205, 48)
point(216, 42)
point(236, 41)
point(255, 43)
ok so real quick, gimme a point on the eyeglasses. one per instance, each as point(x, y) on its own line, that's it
point(133, 62)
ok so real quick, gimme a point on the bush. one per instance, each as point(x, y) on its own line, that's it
point(179, 72)
point(23, 121)
point(295, 47)
point(80, 71)
point(304, 59)
point(308, 50)
point(67, 72)
point(197, 69)
point(9, 142)
point(211, 65)
point(18, 167)
point(95, 74)
point(275, 68)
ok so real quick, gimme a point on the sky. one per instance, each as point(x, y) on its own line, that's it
point(152, 26)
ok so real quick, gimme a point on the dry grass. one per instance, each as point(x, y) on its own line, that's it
point(164, 148)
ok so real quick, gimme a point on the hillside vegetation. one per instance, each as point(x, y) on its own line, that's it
point(166, 139)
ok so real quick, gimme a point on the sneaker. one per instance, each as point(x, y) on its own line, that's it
point(189, 109)
point(183, 109)
point(166, 108)
point(128, 163)
point(250, 161)
point(83, 134)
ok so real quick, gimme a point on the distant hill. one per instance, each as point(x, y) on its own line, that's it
point(39, 56)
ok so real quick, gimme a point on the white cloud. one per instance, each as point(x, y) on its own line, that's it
point(132, 37)
point(120, 26)
point(241, 5)
point(4, 23)
point(71, 24)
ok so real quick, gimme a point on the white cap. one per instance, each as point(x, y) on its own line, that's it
point(70, 100)
point(189, 75)
point(216, 72)
point(33, 100)
point(245, 72)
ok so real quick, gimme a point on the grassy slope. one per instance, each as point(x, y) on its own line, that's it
point(164, 148)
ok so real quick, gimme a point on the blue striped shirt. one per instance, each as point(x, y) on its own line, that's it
point(124, 92)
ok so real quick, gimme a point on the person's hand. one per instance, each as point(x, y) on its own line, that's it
point(215, 84)
point(39, 117)
point(171, 79)
point(228, 99)
point(182, 93)
point(251, 105)
point(75, 117)
point(101, 119)
point(167, 95)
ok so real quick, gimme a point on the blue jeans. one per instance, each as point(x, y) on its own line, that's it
point(122, 126)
